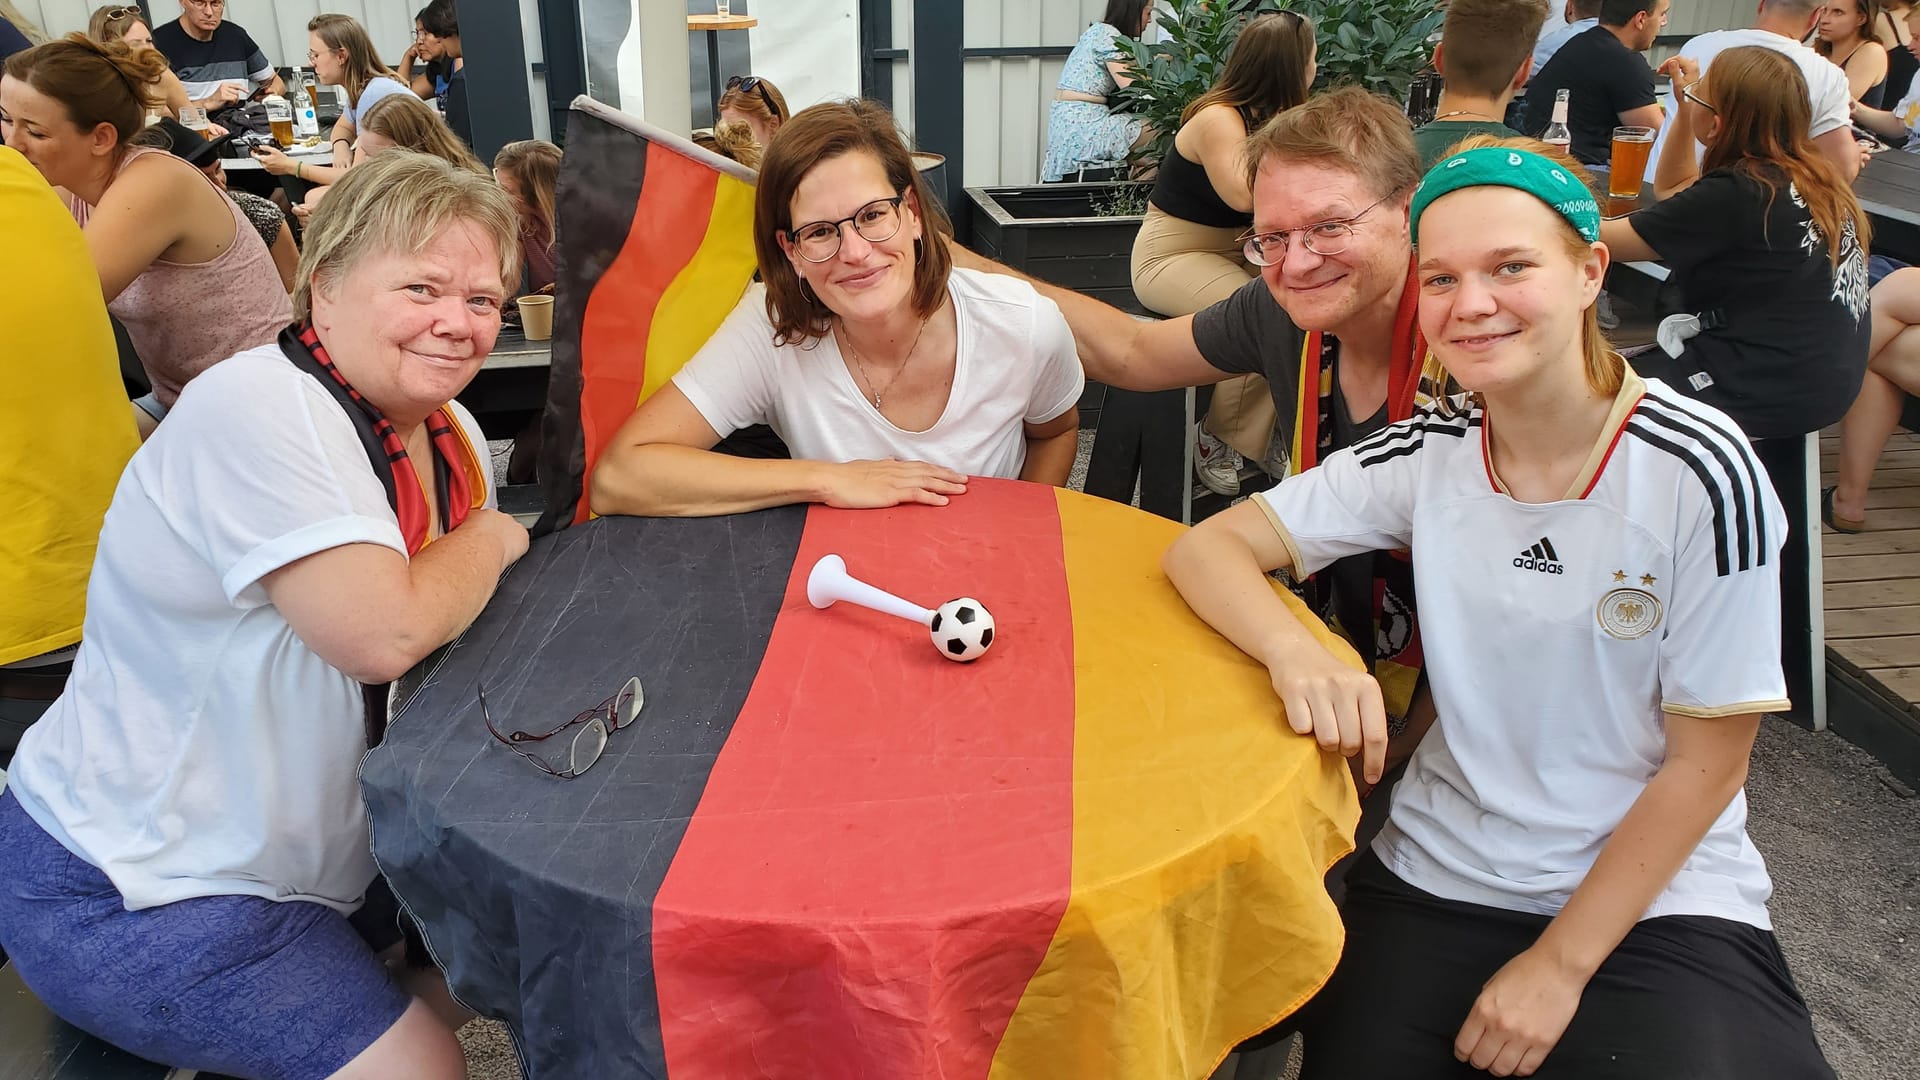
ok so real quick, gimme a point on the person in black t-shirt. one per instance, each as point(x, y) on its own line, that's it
point(1609, 80)
point(1768, 248)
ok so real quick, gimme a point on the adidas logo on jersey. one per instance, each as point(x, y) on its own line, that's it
point(1540, 557)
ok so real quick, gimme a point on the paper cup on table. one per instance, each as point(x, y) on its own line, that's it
point(536, 317)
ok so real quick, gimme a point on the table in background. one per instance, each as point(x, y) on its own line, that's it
point(712, 26)
point(824, 851)
point(1889, 191)
point(511, 384)
point(295, 187)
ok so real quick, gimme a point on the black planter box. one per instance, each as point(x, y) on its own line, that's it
point(1052, 232)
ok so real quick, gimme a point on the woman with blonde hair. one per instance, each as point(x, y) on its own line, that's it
point(528, 172)
point(190, 806)
point(171, 248)
point(891, 375)
point(755, 102)
point(125, 23)
point(731, 139)
point(1187, 255)
point(342, 55)
point(404, 122)
point(1565, 881)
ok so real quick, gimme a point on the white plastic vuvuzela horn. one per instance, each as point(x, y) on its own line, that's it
point(829, 582)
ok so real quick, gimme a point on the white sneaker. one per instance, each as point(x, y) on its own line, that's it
point(1215, 463)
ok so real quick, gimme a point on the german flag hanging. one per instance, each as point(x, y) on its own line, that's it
point(823, 851)
point(655, 248)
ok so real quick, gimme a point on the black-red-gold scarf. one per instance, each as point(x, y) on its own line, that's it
point(460, 480)
point(458, 476)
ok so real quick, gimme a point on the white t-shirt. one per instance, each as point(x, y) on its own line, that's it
point(1827, 89)
point(1016, 365)
point(201, 749)
point(1556, 634)
point(377, 87)
point(1908, 113)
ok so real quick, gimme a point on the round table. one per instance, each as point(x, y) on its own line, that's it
point(822, 850)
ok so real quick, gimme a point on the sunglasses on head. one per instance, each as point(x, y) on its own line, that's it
point(116, 14)
point(747, 84)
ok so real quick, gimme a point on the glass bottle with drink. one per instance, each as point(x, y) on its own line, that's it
point(1557, 133)
point(306, 123)
point(279, 119)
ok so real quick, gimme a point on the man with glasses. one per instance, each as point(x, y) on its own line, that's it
point(1330, 325)
point(217, 60)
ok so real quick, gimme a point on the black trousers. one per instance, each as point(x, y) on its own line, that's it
point(1682, 998)
point(1785, 462)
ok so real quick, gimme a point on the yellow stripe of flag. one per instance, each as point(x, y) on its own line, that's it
point(1201, 830)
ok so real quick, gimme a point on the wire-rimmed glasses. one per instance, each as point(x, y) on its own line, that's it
point(876, 222)
point(594, 725)
point(1322, 238)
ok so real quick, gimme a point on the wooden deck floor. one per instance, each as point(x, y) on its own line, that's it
point(1873, 578)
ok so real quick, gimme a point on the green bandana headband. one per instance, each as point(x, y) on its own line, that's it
point(1500, 166)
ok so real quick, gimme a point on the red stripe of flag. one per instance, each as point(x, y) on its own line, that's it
point(884, 848)
point(676, 205)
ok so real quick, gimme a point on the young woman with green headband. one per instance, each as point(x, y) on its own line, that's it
point(1565, 876)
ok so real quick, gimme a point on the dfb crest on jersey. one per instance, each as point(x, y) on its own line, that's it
point(1629, 613)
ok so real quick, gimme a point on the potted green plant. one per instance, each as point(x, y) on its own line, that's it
point(1379, 44)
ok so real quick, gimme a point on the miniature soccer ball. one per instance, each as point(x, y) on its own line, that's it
point(962, 629)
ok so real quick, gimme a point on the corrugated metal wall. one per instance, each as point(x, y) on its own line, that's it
point(1008, 100)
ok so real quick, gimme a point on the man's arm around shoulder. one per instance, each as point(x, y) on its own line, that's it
point(1117, 348)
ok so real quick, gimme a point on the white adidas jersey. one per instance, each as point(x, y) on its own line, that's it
point(1556, 634)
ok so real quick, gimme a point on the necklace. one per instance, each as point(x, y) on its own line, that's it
point(861, 364)
point(1465, 112)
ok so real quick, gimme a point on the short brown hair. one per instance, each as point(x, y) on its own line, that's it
point(818, 134)
point(1486, 41)
point(1346, 128)
point(97, 82)
point(398, 202)
point(731, 140)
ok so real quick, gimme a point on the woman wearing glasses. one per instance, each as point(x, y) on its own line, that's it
point(1565, 876)
point(115, 23)
point(184, 860)
point(436, 47)
point(1768, 246)
point(342, 55)
point(756, 103)
point(891, 375)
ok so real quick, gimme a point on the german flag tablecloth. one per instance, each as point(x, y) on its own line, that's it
point(824, 851)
